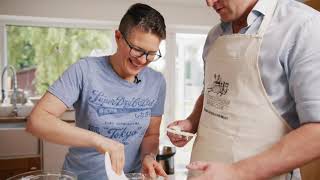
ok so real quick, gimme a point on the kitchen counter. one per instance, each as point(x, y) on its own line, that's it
point(12, 119)
point(68, 116)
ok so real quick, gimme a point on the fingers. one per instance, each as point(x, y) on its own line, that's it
point(115, 162)
point(159, 170)
point(151, 171)
point(117, 158)
point(174, 123)
point(152, 168)
point(198, 165)
point(180, 143)
point(174, 137)
point(178, 140)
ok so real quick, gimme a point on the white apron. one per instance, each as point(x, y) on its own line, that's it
point(238, 120)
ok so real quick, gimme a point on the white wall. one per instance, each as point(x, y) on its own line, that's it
point(175, 13)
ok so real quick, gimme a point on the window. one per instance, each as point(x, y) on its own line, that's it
point(160, 64)
point(189, 83)
point(189, 71)
point(41, 54)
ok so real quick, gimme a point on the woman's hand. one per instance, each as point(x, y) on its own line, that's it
point(178, 140)
point(151, 167)
point(115, 150)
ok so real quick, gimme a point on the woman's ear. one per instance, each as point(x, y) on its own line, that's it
point(117, 35)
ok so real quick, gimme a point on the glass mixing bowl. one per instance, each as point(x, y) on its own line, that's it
point(140, 176)
point(42, 175)
point(135, 176)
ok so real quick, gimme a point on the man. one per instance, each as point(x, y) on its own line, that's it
point(118, 102)
point(258, 115)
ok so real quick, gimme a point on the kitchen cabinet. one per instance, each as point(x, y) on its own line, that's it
point(15, 141)
point(22, 152)
point(54, 154)
point(19, 151)
point(11, 167)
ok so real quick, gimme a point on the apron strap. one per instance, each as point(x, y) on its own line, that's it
point(267, 17)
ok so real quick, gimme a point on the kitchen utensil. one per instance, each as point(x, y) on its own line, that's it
point(166, 158)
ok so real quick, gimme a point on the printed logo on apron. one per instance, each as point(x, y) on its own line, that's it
point(217, 95)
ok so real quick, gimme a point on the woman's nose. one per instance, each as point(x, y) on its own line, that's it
point(143, 59)
point(211, 2)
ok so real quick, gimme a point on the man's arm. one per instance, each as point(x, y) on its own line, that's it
point(294, 150)
point(190, 124)
point(194, 117)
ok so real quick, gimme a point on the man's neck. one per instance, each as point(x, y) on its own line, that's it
point(238, 25)
point(242, 22)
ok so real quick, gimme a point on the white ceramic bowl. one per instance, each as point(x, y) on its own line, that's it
point(6, 110)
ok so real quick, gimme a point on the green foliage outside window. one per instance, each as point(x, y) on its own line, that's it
point(52, 50)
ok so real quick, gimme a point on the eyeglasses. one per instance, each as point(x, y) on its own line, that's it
point(137, 53)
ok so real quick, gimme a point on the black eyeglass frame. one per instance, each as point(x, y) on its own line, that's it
point(142, 52)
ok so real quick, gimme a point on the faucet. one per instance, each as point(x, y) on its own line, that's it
point(15, 88)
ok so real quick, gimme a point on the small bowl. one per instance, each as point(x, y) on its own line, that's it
point(6, 110)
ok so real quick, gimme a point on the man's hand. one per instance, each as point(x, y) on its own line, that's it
point(151, 167)
point(214, 171)
point(178, 140)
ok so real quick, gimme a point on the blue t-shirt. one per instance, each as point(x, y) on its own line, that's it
point(110, 106)
point(289, 58)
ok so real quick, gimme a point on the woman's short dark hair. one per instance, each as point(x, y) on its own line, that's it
point(145, 18)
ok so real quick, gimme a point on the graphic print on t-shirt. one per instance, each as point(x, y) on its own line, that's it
point(124, 119)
